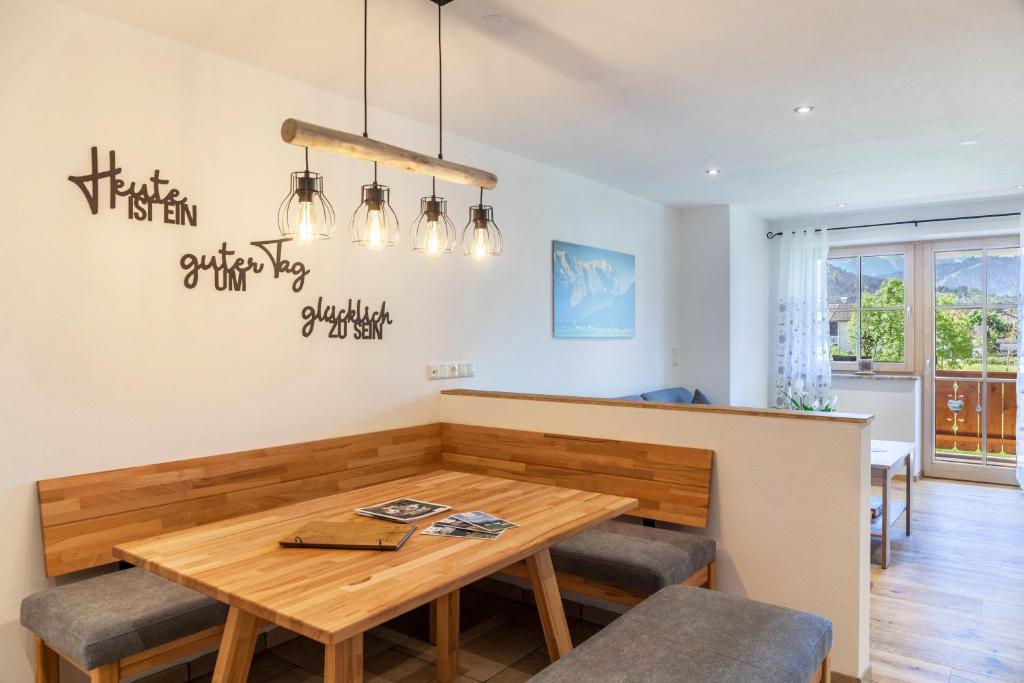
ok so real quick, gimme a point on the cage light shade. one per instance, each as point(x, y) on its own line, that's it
point(306, 215)
point(374, 224)
point(433, 233)
point(481, 238)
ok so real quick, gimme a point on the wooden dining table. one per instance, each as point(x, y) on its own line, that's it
point(334, 596)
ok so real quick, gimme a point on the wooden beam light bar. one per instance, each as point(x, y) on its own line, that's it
point(324, 139)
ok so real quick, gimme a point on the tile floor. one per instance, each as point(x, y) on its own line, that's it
point(501, 643)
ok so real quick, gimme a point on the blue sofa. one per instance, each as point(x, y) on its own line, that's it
point(673, 395)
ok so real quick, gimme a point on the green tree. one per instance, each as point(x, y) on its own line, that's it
point(954, 333)
point(881, 332)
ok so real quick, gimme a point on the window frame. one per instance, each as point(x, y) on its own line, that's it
point(907, 251)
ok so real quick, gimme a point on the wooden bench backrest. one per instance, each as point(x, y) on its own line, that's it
point(85, 516)
point(673, 483)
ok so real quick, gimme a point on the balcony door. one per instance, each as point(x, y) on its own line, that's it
point(971, 359)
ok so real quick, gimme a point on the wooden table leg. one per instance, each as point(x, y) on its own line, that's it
point(343, 662)
point(549, 604)
point(910, 477)
point(446, 610)
point(886, 521)
point(236, 647)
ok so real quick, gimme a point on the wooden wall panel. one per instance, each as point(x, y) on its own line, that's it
point(672, 483)
point(84, 516)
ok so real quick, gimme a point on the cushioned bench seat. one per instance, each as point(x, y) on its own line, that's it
point(690, 635)
point(108, 617)
point(633, 557)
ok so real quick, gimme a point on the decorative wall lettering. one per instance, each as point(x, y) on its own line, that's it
point(140, 197)
point(364, 325)
point(230, 274)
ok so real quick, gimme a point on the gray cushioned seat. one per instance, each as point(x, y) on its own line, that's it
point(673, 395)
point(692, 635)
point(102, 619)
point(631, 556)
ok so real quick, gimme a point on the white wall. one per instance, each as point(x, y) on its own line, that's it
point(749, 308)
point(108, 361)
point(895, 403)
point(704, 301)
point(789, 523)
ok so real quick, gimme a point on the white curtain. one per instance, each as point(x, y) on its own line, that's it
point(1020, 363)
point(803, 368)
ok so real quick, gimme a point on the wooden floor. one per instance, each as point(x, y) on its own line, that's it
point(951, 605)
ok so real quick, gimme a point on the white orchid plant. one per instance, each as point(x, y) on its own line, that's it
point(796, 394)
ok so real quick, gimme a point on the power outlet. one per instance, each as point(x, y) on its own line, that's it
point(451, 370)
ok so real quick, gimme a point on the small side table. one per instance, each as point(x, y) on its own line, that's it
point(887, 459)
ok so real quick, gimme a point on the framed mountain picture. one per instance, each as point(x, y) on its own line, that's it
point(593, 292)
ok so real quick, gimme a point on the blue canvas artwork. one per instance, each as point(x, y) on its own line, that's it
point(594, 292)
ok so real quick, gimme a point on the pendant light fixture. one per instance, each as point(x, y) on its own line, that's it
point(306, 215)
point(481, 238)
point(433, 233)
point(374, 224)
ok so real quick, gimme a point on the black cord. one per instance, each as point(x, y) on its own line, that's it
point(481, 197)
point(307, 162)
point(440, 91)
point(366, 31)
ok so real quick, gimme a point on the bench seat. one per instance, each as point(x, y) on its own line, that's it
point(633, 557)
point(690, 635)
point(106, 618)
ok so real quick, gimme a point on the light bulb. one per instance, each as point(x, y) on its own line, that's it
point(433, 238)
point(375, 228)
point(479, 248)
point(306, 223)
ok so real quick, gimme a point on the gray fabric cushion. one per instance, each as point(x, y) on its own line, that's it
point(700, 398)
point(631, 556)
point(674, 395)
point(631, 397)
point(107, 617)
point(693, 635)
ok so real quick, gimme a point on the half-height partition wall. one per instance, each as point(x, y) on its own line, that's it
point(788, 496)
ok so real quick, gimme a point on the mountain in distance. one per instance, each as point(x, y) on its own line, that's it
point(962, 275)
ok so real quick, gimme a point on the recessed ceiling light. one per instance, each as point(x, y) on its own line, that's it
point(494, 20)
point(713, 171)
point(841, 205)
point(968, 143)
point(1018, 187)
point(804, 109)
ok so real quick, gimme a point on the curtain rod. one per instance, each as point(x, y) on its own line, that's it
point(915, 223)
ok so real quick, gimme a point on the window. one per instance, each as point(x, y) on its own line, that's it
point(869, 307)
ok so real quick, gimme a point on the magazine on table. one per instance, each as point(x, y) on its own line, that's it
point(470, 525)
point(458, 524)
point(455, 532)
point(402, 510)
point(485, 521)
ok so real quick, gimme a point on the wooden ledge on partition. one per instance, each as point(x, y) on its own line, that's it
point(856, 418)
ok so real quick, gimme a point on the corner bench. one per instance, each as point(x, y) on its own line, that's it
point(687, 635)
point(123, 623)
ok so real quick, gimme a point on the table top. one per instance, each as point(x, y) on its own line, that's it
point(332, 595)
point(889, 454)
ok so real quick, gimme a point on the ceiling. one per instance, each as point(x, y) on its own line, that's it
point(645, 95)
